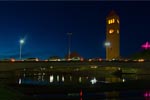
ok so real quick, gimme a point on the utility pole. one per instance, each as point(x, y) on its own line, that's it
point(69, 45)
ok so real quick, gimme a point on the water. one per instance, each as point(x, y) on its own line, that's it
point(42, 84)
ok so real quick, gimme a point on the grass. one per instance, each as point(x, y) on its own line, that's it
point(7, 93)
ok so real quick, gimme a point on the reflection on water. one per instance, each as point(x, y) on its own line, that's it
point(81, 86)
point(41, 76)
point(93, 81)
point(66, 78)
point(147, 95)
point(112, 94)
point(51, 78)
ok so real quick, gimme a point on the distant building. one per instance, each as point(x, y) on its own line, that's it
point(74, 56)
point(54, 58)
point(112, 36)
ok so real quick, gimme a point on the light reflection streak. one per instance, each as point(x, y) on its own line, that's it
point(123, 80)
point(147, 94)
point(70, 78)
point(34, 74)
point(51, 78)
point(80, 79)
point(39, 74)
point(43, 73)
point(63, 79)
point(20, 81)
point(39, 77)
point(93, 81)
point(42, 76)
point(24, 75)
point(57, 78)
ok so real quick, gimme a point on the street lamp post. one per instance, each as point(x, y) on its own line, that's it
point(21, 43)
point(107, 45)
point(69, 45)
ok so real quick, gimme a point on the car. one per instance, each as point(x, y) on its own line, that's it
point(31, 59)
point(8, 59)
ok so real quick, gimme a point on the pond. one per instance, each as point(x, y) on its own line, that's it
point(44, 84)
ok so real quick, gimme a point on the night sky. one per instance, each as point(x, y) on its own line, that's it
point(45, 25)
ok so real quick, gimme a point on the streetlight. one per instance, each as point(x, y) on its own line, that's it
point(69, 45)
point(107, 44)
point(21, 43)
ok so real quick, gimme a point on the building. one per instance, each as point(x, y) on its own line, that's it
point(112, 36)
point(74, 56)
point(54, 58)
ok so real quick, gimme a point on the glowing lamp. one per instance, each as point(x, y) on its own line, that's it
point(146, 45)
point(12, 60)
point(21, 41)
point(147, 94)
point(107, 44)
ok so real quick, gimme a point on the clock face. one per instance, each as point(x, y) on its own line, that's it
point(111, 31)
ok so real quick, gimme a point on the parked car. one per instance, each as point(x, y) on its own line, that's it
point(54, 58)
point(9, 59)
point(31, 59)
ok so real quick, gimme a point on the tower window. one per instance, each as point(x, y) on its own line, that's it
point(111, 21)
point(117, 21)
point(117, 31)
point(111, 31)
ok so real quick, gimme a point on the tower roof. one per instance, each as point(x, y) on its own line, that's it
point(112, 13)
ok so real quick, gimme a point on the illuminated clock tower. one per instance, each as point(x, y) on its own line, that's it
point(112, 36)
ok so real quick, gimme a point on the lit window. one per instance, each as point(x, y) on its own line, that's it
point(117, 21)
point(117, 31)
point(111, 31)
point(113, 20)
point(108, 21)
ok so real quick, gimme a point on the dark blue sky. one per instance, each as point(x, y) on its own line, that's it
point(45, 26)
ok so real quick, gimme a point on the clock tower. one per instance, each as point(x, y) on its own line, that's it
point(112, 36)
